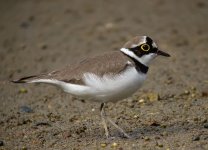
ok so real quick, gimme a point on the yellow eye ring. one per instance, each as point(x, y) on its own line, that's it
point(145, 47)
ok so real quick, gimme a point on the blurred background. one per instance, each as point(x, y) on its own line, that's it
point(42, 35)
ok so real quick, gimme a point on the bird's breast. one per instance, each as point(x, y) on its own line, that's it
point(113, 87)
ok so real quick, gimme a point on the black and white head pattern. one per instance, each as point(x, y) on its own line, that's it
point(141, 48)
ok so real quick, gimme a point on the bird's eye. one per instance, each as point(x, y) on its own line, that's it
point(145, 47)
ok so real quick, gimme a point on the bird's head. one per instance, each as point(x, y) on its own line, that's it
point(142, 49)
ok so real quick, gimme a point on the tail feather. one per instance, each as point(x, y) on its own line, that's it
point(24, 79)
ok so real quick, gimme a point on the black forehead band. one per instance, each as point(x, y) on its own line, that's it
point(149, 40)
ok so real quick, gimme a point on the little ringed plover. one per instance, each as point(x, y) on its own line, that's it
point(106, 78)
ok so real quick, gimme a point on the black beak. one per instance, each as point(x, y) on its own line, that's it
point(159, 52)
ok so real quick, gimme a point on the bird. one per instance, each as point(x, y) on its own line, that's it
point(109, 77)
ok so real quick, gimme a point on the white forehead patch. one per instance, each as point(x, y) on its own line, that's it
point(154, 45)
point(143, 39)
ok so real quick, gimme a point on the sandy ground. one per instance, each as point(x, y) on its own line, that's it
point(170, 111)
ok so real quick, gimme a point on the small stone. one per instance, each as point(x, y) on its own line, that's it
point(43, 46)
point(193, 95)
point(109, 25)
point(82, 100)
point(49, 106)
point(169, 80)
point(154, 123)
point(163, 126)
point(196, 119)
point(26, 109)
point(136, 116)
point(141, 101)
point(24, 148)
point(153, 97)
point(164, 133)
point(186, 92)
point(196, 138)
point(206, 125)
point(204, 120)
point(204, 94)
point(114, 144)
point(1, 143)
point(146, 138)
point(22, 90)
point(159, 144)
point(93, 109)
point(103, 145)
point(193, 88)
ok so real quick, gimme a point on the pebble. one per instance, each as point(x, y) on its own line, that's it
point(203, 120)
point(196, 138)
point(193, 95)
point(186, 92)
point(114, 144)
point(164, 133)
point(103, 144)
point(43, 46)
point(23, 90)
point(109, 25)
point(206, 125)
point(146, 138)
point(154, 123)
point(193, 88)
point(163, 126)
point(136, 116)
point(26, 109)
point(169, 80)
point(24, 148)
point(153, 97)
point(159, 144)
point(141, 101)
point(1, 143)
point(205, 138)
point(204, 94)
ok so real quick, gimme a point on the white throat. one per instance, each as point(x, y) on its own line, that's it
point(145, 60)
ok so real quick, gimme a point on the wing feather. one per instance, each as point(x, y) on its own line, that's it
point(109, 63)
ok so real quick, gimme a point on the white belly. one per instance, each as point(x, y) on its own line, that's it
point(113, 87)
point(107, 88)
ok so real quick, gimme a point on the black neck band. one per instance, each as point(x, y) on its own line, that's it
point(139, 66)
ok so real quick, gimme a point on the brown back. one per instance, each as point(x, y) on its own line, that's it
point(109, 63)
